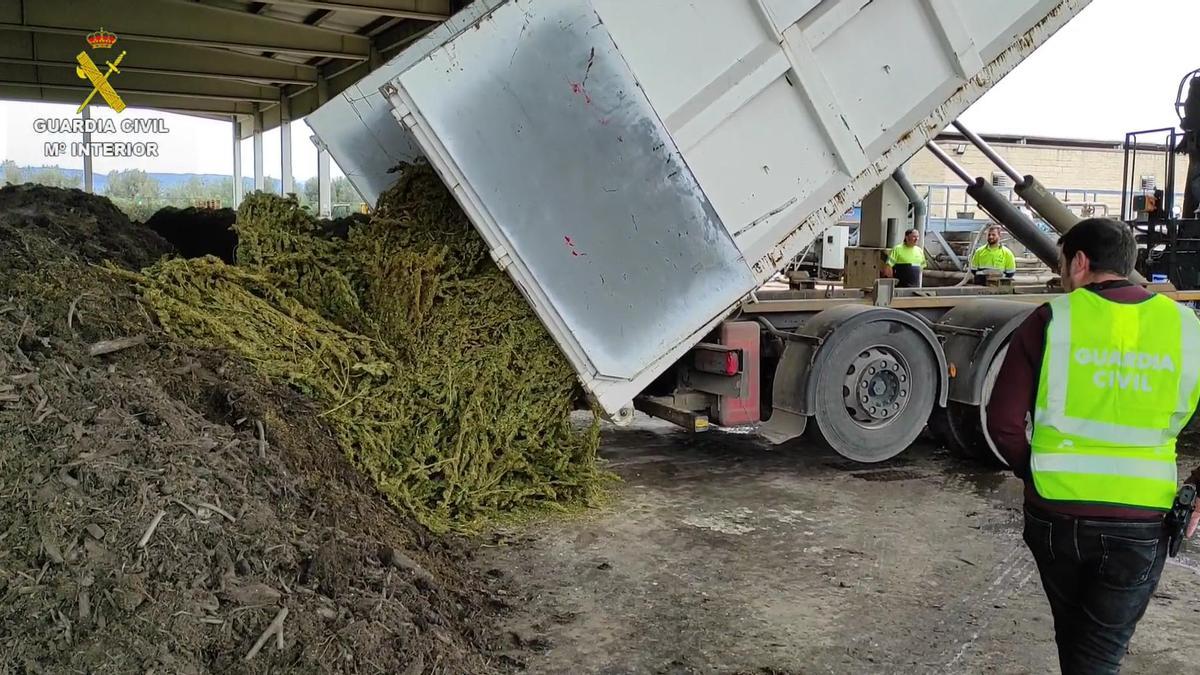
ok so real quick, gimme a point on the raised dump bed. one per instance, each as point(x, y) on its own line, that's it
point(640, 168)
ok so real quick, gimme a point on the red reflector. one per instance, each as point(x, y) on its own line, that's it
point(731, 363)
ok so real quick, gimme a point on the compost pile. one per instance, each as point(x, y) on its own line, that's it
point(166, 509)
point(427, 364)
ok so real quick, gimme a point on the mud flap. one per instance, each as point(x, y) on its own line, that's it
point(783, 426)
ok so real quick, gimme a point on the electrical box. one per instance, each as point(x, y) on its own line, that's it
point(833, 247)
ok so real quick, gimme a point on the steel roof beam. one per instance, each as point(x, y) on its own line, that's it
point(235, 77)
point(172, 39)
point(400, 36)
point(130, 92)
point(318, 17)
point(188, 23)
point(340, 75)
point(153, 102)
point(423, 10)
point(140, 83)
point(23, 47)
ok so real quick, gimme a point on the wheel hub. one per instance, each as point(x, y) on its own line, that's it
point(876, 387)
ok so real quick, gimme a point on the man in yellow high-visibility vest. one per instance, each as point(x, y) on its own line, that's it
point(1109, 372)
point(906, 260)
point(994, 256)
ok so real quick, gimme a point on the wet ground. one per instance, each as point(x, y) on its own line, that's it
point(722, 554)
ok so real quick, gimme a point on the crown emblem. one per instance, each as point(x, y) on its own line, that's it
point(102, 39)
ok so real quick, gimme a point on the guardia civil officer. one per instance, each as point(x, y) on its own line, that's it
point(1109, 373)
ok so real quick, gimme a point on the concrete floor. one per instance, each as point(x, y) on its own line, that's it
point(721, 554)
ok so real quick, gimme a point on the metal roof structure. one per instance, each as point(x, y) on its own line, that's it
point(275, 60)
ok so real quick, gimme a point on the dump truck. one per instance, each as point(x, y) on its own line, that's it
point(642, 169)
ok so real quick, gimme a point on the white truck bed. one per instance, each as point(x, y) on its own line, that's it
point(640, 166)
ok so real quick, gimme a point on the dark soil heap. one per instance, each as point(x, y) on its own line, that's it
point(42, 226)
point(196, 232)
point(162, 508)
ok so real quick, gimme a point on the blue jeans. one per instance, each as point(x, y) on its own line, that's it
point(1099, 577)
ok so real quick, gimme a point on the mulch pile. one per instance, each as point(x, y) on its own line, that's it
point(166, 509)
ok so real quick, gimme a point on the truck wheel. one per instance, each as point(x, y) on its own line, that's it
point(874, 391)
point(963, 427)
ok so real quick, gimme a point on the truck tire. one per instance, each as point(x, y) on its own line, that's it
point(960, 427)
point(963, 427)
point(875, 390)
point(949, 432)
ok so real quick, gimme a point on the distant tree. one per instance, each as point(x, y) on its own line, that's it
point(53, 176)
point(341, 190)
point(11, 172)
point(138, 210)
point(135, 192)
point(344, 192)
point(189, 191)
point(270, 186)
point(132, 184)
point(220, 189)
point(311, 194)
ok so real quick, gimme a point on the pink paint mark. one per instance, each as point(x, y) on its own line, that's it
point(604, 121)
point(577, 88)
point(571, 245)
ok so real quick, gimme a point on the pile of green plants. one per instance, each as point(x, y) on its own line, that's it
point(430, 368)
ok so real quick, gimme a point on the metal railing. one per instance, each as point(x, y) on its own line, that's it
point(945, 201)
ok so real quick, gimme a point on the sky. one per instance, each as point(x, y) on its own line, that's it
point(1103, 74)
point(191, 144)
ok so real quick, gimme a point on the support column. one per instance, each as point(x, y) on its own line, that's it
point(237, 161)
point(324, 185)
point(88, 183)
point(259, 180)
point(286, 184)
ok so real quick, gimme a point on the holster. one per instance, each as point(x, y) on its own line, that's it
point(1177, 520)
